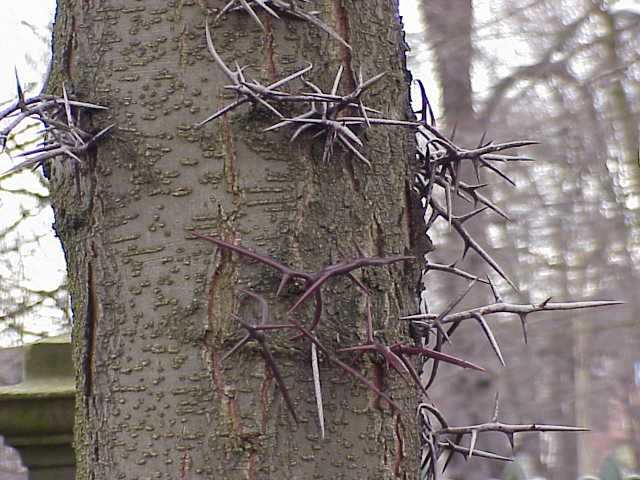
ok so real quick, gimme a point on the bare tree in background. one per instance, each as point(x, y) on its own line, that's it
point(576, 85)
point(19, 300)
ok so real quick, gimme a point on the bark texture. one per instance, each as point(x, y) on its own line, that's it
point(153, 307)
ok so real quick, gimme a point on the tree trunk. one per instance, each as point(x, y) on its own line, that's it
point(154, 307)
point(450, 29)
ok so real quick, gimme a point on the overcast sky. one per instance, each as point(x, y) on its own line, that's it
point(18, 43)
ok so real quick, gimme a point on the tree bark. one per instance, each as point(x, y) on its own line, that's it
point(153, 306)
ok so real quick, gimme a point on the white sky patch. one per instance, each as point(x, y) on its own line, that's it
point(420, 58)
point(21, 47)
point(628, 5)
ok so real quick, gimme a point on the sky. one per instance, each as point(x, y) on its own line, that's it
point(20, 47)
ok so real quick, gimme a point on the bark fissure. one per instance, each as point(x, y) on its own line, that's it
point(265, 397)
point(342, 23)
point(218, 378)
point(399, 448)
point(269, 50)
point(90, 329)
point(231, 157)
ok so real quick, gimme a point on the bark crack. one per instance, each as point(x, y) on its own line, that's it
point(377, 235)
point(267, 42)
point(342, 26)
point(267, 384)
point(400, 453)
point(217, 377)
point(93, 316)
point(230, 158)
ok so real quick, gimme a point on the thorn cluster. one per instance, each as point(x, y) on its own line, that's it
point(324, 116)
point(59, 117)
point(276, 7)
point(249, 90)
point(425, 320)
point(256, 332)
point(395, 355)
point(441, 162)
point(313, 282)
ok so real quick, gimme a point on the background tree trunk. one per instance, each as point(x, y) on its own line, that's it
point(153, 306)
point(449, 32)
point(552, 248)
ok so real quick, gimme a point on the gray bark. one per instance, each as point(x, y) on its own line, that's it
point(153, 307)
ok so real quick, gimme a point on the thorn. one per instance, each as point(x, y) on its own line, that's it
point(484, 133)
point(67, 107)
point(21, 101)
point(467, 216)
point(523, 322)
point(336, 80)
point(492, 340)
point(472, 443)
point(496, 295)
point(451, 453)
point(544, 302)
point(317, 387)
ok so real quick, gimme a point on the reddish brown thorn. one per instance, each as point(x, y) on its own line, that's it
point(443, 357)
point(287, 273)
point(316, 316)
point(344, 268)
point(257, 333)
point(374, 346)
point(271, 364)
point(236, 347)
point(314, 282)
point(358, 248)
point(413, 373)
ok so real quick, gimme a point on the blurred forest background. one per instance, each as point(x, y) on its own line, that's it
point(566, 73)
